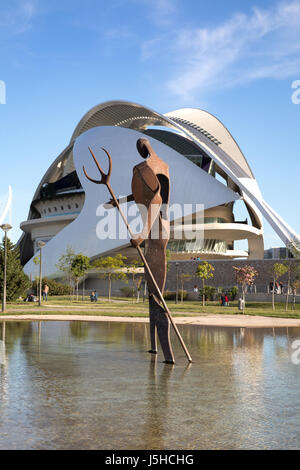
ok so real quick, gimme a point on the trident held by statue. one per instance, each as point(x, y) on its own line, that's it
point(105, 179)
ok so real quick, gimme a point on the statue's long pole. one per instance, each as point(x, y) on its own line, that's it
point(142, 256)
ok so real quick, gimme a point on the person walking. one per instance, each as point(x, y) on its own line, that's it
point(45, 292)
point(281, 287)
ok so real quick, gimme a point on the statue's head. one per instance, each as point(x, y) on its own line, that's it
point(143, 146)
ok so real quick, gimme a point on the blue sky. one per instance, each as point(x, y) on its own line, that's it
point(236, 59)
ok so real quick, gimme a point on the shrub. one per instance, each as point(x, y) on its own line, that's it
point(233, 292)
point(172, 295)
point(127, 291)
point(55, 288)
point(209, 293)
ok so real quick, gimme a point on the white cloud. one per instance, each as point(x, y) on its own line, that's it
point(16, 16)
point(164, 7)
point(161, 12)
point(262, 44)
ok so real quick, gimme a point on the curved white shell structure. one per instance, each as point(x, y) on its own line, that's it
point(67, 209)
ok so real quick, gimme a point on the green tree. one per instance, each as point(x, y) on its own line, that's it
point(245, 276)
point(204, 272)
point(279, 270)
point(295, 284)
point(17, 283)
point(80, 265)
point(209, 292)
point(293, 273)
point(168, 258)
point(233, 291)
point(111, 269)
point(65, 266)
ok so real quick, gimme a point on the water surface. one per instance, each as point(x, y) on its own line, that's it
point(92, 385)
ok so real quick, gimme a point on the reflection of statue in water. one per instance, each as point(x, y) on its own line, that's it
point(157, 406)
point(159, 403)
point(151, 188)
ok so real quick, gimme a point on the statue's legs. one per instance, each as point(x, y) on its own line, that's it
point(160, 322)
point(155, 253)
point(152, 332)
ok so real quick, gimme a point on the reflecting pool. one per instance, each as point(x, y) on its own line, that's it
point(92, 385)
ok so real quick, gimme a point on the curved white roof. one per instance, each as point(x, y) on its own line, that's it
point(216, 129)
point(118, 113)
point(136, 116)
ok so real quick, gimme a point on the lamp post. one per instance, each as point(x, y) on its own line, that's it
point(40, 245)
point(5, 228)
point(176, 264)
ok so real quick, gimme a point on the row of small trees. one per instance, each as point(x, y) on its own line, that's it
point(246, 275)
point(292, 270)
point(17, 282)
point(74, 266)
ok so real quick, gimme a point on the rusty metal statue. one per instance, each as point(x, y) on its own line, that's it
point(150, 189)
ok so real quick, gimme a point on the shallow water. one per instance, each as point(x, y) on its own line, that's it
point(91, 385)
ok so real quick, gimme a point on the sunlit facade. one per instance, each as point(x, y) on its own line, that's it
point(207, 165)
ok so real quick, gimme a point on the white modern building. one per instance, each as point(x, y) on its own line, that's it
point(207, 168)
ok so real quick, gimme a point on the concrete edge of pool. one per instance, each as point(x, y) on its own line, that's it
point(240, 321)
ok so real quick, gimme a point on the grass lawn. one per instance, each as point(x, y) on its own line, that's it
point(125, 307)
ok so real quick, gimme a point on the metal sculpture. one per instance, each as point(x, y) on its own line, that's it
point(150, 187)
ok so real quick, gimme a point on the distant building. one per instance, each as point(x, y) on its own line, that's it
point(279, 252)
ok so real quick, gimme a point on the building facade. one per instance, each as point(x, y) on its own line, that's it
point(207, 168)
